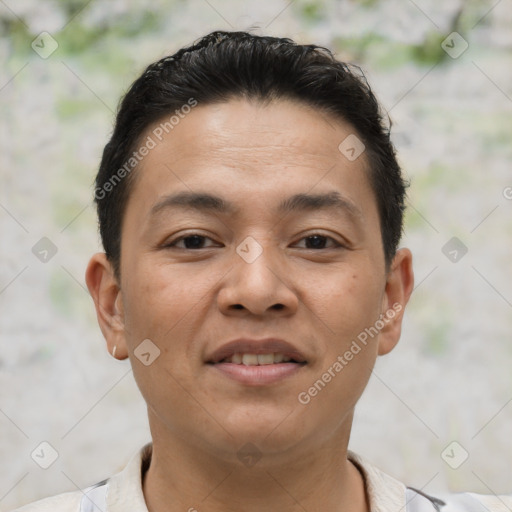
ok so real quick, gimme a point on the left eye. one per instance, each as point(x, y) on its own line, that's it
point(318, 241)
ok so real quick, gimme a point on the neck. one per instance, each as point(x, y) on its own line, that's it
point(184, 477)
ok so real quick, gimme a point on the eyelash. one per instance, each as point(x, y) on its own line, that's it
point(173, 243)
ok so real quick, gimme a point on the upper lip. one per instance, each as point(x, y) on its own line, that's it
point(252, 346)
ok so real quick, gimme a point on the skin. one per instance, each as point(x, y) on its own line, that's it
point(190, 301)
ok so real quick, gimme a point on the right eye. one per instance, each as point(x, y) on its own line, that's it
point(191, 241)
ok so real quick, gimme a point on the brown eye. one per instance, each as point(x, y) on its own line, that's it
point(190, 241)
point(318, 241)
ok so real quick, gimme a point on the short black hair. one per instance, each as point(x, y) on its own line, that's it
point(223, 65)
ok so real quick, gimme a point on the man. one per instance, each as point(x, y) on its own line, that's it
point(250, 208)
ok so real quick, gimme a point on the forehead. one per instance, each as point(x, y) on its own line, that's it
point(246, 147)
point(283, 129)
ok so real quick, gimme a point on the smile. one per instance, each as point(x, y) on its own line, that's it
point(257, 359)
point(256, 362)
point(257, 369)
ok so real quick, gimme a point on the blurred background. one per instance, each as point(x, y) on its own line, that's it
point(437, 413)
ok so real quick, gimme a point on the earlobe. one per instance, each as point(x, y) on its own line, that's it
point(106, 294)
point(399, 286)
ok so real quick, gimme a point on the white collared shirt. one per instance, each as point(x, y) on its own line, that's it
point(123, 493)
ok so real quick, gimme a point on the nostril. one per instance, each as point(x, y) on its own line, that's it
point(275, 306)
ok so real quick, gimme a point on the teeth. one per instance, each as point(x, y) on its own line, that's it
point(250, 359)
point(265, 358)
point(278, 358)
point(257, 359)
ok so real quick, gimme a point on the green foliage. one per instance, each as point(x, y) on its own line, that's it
point(437, 176)
point(384, 53)
point(429, 51)
point(312, 10)
point(18, 36)
point(79, 38)
point(65, 294)
point(67, 108)
point(437, 336)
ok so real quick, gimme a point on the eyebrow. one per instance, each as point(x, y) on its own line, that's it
point(206, 202)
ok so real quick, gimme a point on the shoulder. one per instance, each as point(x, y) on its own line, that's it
point(386, 494)
point(473, 502)
point(65, 502)
point(91, 499)
point(418, 501)
point(112, 493)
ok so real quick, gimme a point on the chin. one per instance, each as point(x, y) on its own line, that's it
point(270, 427)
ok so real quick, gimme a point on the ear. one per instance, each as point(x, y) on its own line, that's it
point(399, 286)
point(106, 293)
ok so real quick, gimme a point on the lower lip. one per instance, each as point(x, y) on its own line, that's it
point(258, 375)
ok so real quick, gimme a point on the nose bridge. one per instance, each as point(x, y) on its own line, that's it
point(258, 262)
point(256, 282)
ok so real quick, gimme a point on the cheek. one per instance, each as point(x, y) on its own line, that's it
point(169, 305)
point(347, 301)
point(350, 305)
point(157, 308)
point(155, 304)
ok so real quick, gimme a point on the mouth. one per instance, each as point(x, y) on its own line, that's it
point(257, 362)
point(248, 359)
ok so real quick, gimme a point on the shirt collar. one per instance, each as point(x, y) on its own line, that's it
point(125, 488)
point(384, 493)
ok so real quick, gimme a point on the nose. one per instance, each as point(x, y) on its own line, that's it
point(260, 286)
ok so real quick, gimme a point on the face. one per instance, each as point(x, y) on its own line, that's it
point(263, 261)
